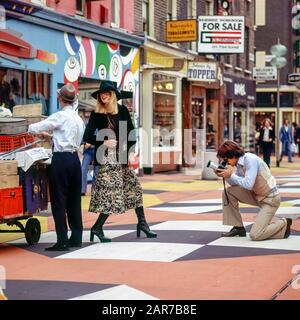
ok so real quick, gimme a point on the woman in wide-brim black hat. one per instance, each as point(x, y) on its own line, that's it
point(116, 188)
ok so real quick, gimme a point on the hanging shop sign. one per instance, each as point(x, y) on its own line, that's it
point(221, 34)
point(265, 74)
point(202, 71)
point(181, 30)
point(239, 88)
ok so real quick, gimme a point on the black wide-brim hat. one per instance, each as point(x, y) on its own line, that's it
point(105, 86)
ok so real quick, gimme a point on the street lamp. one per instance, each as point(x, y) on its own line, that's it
point(278, 61)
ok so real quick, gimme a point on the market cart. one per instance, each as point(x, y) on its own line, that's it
point(22, 202)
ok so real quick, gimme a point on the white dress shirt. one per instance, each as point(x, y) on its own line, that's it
point(67, 128)
point(254, 166)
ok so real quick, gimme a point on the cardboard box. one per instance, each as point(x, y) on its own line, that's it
point(8, 167)
point(9, 182)
point(27, 110)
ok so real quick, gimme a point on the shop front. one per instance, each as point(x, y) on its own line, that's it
point(266, 105)
point(46, 50)
point(239, 123)
point(161, 118)
point(202, 112)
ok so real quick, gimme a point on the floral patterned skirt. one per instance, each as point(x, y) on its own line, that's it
point(116, 190)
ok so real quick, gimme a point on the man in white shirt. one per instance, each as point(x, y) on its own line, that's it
point(65, 171)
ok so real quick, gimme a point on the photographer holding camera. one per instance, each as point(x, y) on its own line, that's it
point(251, 183)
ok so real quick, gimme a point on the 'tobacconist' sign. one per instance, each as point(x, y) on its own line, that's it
point(202, 71)
point(221, 34)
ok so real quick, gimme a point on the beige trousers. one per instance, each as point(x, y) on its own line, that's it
point(262, 228)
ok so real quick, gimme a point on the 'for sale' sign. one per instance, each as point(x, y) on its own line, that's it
point(221, 34)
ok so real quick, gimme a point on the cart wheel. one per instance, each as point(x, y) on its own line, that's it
point(33, 231)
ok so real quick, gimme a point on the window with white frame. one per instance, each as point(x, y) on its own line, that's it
point(146, 16)
point(80, 7)
point(115, 13)
point(192, 14)
point(209, 8)
point(169, 9)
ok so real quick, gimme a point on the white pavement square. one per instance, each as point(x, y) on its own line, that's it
point(288, 210)
point(214, 201)
point(156, 251)
point(50, 237)
point(291, 243)
point(190, 225)
point(121, 292)
point(188, 210)
point(289, 190)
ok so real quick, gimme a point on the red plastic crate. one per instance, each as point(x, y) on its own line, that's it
point(11, 202)
point(12, 142)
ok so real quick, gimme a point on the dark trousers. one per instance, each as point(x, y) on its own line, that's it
point(65, 194)
point(267, 148)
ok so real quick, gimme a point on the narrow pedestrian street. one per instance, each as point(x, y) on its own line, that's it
point(188, 259)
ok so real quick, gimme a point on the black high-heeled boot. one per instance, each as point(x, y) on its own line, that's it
point(143, 225)
point(97, 229)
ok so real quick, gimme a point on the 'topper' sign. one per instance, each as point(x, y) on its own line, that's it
point(221, 34)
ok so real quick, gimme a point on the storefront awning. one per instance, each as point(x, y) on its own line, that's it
point(239, 89)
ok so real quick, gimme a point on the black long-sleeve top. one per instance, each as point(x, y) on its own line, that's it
point(261, 135)
point(100, 121)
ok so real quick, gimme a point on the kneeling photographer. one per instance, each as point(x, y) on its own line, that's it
point(251, 183)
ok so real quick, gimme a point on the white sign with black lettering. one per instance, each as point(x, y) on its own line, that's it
point(265, 73)
point(221, 34)
point(202, 71)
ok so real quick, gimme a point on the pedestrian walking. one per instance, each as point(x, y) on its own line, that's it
point(116, 188)
point(252, 184)
point(65, 169)
point(286, 138)
point(266, 140)
point(297, 138)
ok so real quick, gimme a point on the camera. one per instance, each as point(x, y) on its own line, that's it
point(219, 166)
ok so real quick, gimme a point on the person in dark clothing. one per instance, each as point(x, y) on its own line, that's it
point(116, 187)
point(286, 138)
point(65, 171)
point(266, 140)
point(297, 136)
point(5, 91)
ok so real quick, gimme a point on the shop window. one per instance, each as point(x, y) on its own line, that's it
point(18, 87)
point(211, 124)
point(197, 122)
point(80, 7)
point(146, 16)
point(115, 13)
point(164, 99)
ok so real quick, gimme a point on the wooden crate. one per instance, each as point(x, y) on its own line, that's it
point(34, 119)
point(27, 110)
point(9, 181)
point(8, 167)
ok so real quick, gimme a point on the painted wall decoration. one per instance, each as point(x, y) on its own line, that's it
point(69, 58)
point(104, 61)
point(13, 47)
